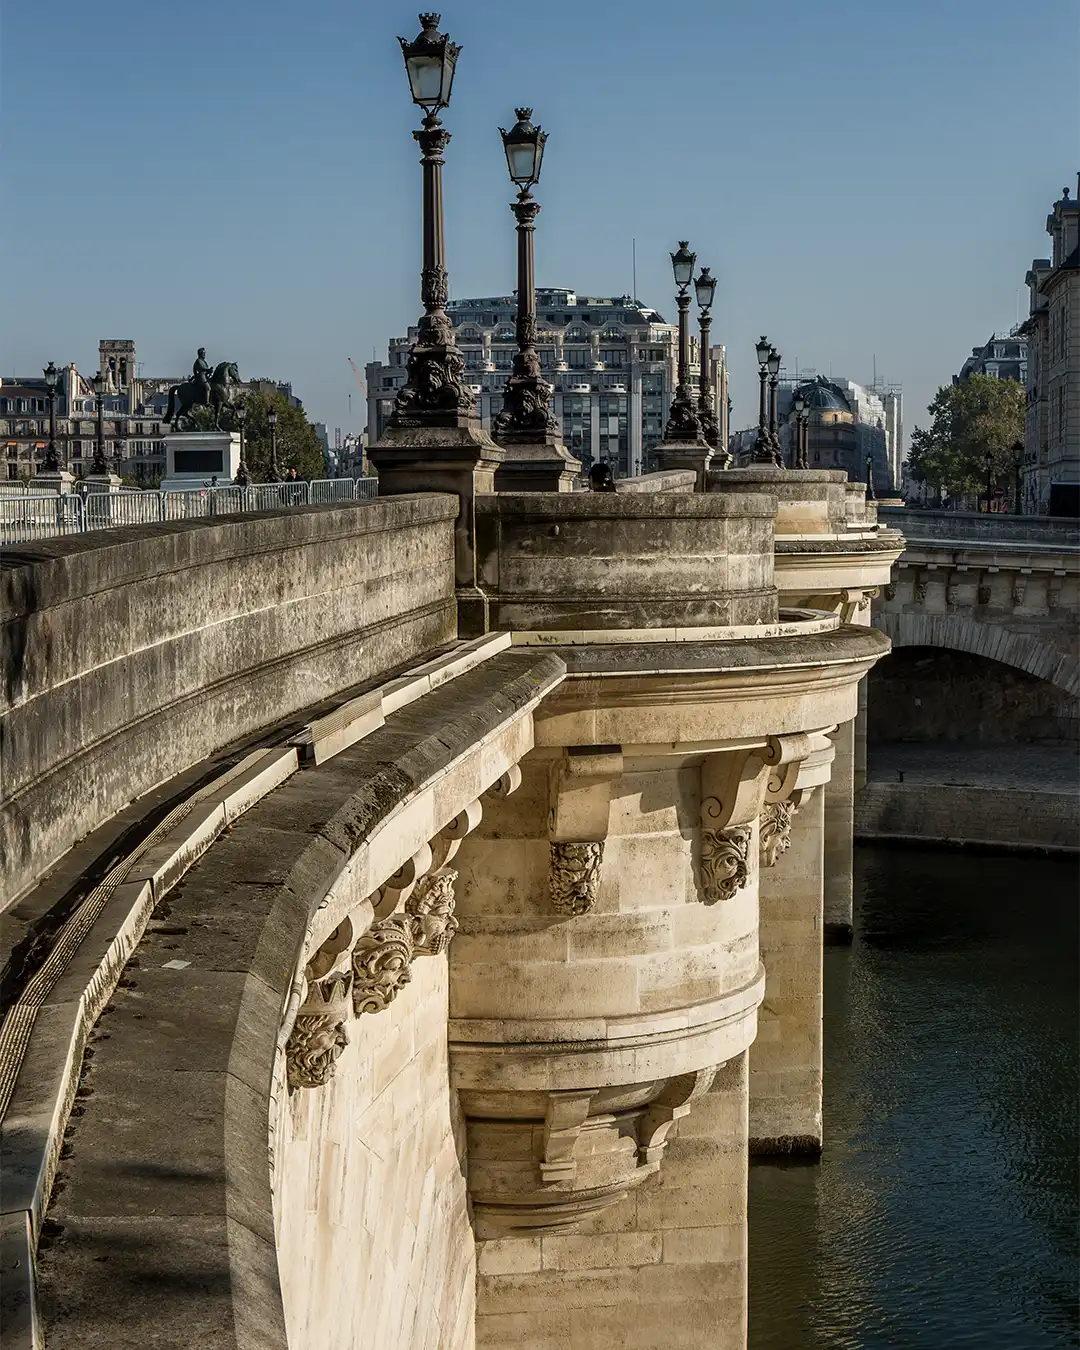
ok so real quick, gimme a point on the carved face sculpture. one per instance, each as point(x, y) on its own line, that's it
point(724, 867)
point(432, 910)
point(313, 1050)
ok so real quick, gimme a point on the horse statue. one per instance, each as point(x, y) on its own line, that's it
point(191, 394)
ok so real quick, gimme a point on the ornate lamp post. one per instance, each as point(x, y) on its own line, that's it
point(988, 460)
point(800, 416)
point(870, 478)
point(275, 471)
point(705, 290)
point(536, 459)
point(1018, 465)
point(52, 460)
point(242, 475)
point(683, 424)
point(433, 394)
point(763, 451)
point(100, 465)
point(773, 365)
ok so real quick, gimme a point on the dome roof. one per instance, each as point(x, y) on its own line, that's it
point(822, 393)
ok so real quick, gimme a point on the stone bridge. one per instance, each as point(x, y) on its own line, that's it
point(414, 909)
point(1002, 587)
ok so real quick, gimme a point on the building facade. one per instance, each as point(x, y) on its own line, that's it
point(1000, 357)
point(847, 422)
point(1052, 422)
point(133, 416)
point(611, 361)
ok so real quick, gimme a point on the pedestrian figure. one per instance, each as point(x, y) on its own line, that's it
point(601, 479)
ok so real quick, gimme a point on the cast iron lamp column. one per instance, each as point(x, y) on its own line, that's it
point(242, 475)
point(99, 465)
point(275, 471)
point(52, 460)
point(798, 424)
point(1018, 464)
point(683, 424)
point(705, 289)
point(988, 459)
point(762, 452)
point(536, 459)
point(870, 478)
point(773, 365)
point(433, 394)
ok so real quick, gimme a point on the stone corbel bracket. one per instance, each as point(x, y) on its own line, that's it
point(383, 956)
point(852, 601)
point(579, 791)
point(734, 788)
point(803, 764)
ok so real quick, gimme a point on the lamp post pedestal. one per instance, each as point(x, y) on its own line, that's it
point(102, 482)
point(58, 481)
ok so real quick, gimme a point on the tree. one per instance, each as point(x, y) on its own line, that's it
point(979, 414)
point(298, 446)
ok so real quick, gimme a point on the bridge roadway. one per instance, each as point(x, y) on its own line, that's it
point(373, 985)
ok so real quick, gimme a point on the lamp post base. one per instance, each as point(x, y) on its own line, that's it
point(536, 461)
point(696, 455)
point(55, 480)
point(460, 459)
point(102, 482)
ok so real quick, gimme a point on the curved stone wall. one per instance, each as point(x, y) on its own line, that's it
point(131, 655)
point(596, 561)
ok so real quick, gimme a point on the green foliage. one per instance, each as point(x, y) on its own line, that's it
point(298, 447)
point(968, 419)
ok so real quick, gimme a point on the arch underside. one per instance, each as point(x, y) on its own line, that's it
point(956, 632)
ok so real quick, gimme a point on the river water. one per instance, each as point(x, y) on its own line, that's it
point(943, 1214)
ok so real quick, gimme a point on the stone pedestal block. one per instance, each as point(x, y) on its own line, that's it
point(102, 482)
point(195, 458)
point(696, 455)
point(61, 482)
point(538, 463)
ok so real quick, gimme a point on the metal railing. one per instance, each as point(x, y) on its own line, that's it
point(29, 516)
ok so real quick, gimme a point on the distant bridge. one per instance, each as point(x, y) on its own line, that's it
point(1003, 587)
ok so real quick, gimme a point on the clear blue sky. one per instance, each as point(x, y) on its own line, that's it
point(864, 178)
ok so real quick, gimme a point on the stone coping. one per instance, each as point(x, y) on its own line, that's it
point(359, 793)
point(49, 572)
point(644, 505)
point(868, 541)
point(839, 644)
point(762, 473)
point(792, 623)
point(665, 480)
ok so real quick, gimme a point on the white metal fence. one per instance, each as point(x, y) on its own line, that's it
point(25, 516)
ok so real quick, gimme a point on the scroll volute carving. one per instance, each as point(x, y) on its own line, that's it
point(732, 788)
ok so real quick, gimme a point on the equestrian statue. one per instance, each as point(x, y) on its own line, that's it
point(207, 388)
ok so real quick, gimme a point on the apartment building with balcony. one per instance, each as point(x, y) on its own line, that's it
point(611, 361)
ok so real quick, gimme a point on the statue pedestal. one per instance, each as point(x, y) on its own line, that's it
point(194, 458)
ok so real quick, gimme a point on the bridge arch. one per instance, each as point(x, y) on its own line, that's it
point(959, 632)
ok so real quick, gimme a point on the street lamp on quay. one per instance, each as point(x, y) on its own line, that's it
point(800, 419)
point(773, 364)
point(988, 459)
point(705, 290)
point(433, 393)
point(100, 465)
point(242, 475)
point(1018, 465)
point(768, 365)
point(275, 471)
point(52, 459)
point(683, 423)
point(527, 400)
point(870, 478)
